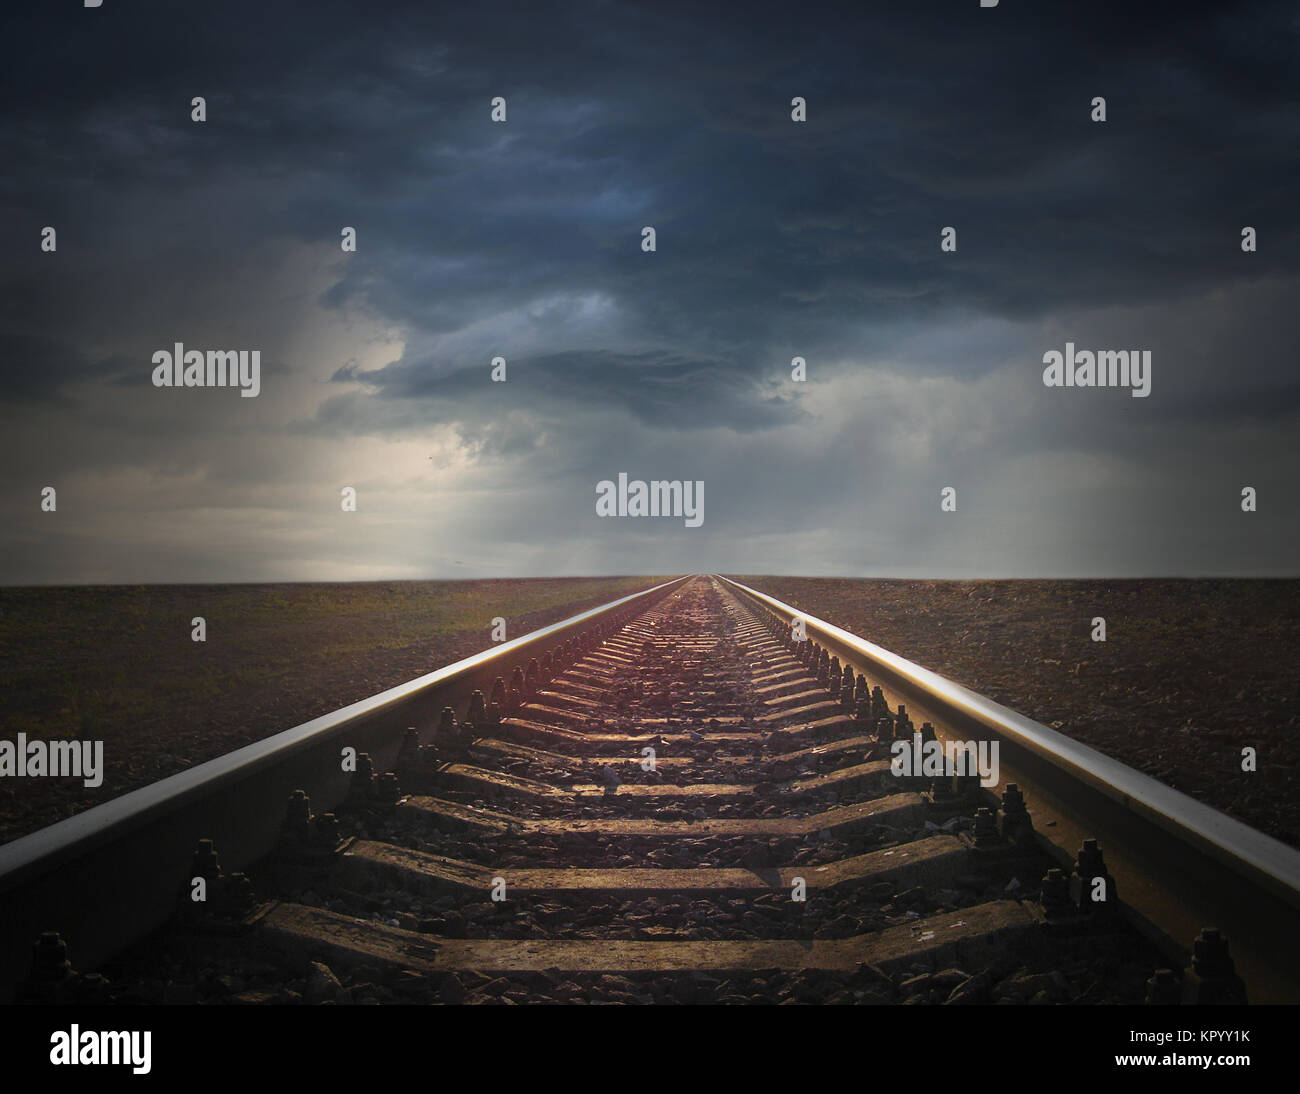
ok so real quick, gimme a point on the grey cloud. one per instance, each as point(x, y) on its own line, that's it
point(775, 240)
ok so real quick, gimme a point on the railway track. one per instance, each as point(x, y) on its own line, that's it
point(676, 798)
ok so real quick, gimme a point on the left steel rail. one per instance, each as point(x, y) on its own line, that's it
point(108, 876)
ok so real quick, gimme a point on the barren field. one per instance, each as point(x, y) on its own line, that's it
point(117, 664)
point(1191, 672)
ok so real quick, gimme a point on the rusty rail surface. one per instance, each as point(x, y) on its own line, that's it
point(1179, 864)
point(110, 875)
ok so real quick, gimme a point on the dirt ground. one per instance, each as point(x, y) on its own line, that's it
point(1191, 672)
point(117, 664)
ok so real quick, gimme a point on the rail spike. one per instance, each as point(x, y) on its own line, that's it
point(1211, 979)
point(1092, 889)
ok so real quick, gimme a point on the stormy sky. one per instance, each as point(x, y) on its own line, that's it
point(523, 239)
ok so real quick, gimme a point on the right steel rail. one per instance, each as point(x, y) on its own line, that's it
point(1179, 864)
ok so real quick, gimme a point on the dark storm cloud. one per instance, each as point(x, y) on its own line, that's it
point(673, 391)
point(919, 117)
point(774, 239)
point(36, 367)
point(799, 237)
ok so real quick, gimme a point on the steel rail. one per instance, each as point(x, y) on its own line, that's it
point(1180, 865)
point(108, 876)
